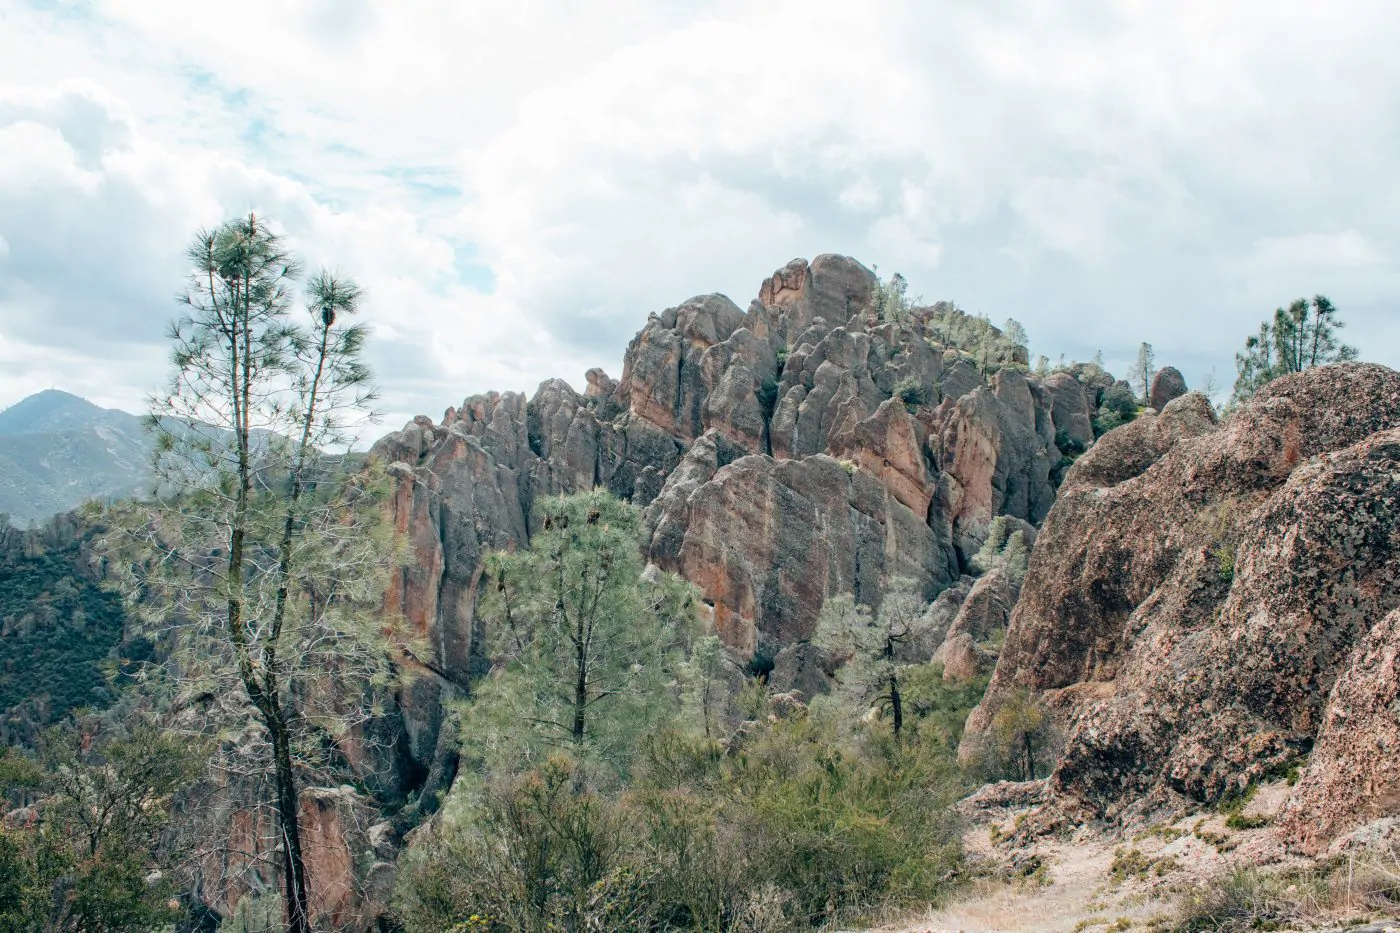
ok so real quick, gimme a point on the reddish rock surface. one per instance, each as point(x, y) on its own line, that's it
point(1206, 602)
point(1167, 384)
point(841, 484)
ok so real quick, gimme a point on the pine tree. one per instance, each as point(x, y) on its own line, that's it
point(875, 646)
point(583, 646)
point(706, 681)
point(264, 556)
point(1005, 549)
point(1301, 336)
point(1143, 368)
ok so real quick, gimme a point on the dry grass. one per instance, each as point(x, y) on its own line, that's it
point(1339, 891)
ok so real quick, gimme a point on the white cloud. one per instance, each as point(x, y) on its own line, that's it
point(517, 184)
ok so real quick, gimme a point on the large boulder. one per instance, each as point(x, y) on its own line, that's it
point(1070, 410)
point(1167, 384)
point(983, 615)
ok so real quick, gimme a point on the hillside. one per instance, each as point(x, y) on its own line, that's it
point(58, 628)
point(57, 451)
point(1199, 649)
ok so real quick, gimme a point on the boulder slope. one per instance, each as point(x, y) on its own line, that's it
point(1209, 602)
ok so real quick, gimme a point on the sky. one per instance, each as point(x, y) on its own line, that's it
point(517, 184)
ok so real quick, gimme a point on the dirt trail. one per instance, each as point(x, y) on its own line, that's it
point(1088, 881)
point(1079, 894)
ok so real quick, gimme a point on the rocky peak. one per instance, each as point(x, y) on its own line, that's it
point(803, 448)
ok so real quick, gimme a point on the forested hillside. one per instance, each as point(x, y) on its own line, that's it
point(60, 631)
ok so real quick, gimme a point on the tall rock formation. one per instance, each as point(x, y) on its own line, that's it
point(798, 449)
point(1208, 602)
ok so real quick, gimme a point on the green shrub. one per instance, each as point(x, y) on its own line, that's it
point(789, 829)
point(1117, 408)
point(839, 832)
point(1241, 821)
point(939, 708)
point(912, 392)
point(1068, 446)
point(768, 396)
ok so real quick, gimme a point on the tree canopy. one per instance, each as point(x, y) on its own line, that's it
point(583, 644)
point(1298, 337)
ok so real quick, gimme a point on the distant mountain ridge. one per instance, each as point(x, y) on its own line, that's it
point(58, 450)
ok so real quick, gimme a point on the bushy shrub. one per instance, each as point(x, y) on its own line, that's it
point(1117, 408)
point(1067, 445)
point(768, 396)
point(1021, 743)
point(940, 708)
point(912, 392)
point(784, 830)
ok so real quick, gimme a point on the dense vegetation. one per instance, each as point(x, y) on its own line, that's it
point(87, 857)
point(626, 774)
point(58, 631)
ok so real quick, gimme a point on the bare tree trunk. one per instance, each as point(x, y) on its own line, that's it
point(580, 691)
point(289, 817)
point(896, 705)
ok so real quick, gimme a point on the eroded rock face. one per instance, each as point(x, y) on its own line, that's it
point(1070, 409)
point(984, 614)
point(1354, 773)
point(1205, 602)
point(768, 540)
point(776, 462)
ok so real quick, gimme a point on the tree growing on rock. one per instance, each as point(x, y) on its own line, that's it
point(890, 300)
point(1140, 373)
point(875, 646)
point(585, 645)
point(1299, 337)
point(1015, 334)
point(261, 563)
point(1005, 548)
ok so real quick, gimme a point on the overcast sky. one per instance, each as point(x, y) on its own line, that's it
point(518, 184)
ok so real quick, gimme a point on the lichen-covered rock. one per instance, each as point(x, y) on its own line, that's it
point(1353, 776)
point(1204, 600)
